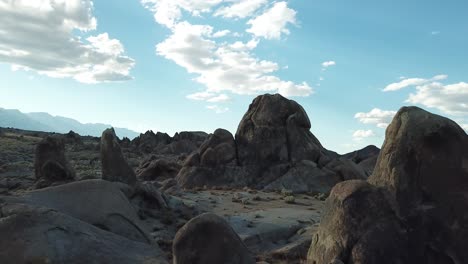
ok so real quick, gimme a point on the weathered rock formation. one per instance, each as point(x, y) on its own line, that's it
point(414, 208)
point(276, 130)
point(206, 239)
point(273, 149)
point(362, 154)
point(154, 169)
point(215, 164)
point(162, 143)
point(348, 234)
point(33, 234)
point(97, 202)
point(51, 164)
point(184, 143)
point(366, 158)
point(114, 165)
point(149, 141)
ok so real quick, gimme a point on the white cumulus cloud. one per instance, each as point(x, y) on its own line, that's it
point(380, 118)
point(40, 36)
point(225, 66)
point(359, 135)
point(274, 22)
point(450, 99)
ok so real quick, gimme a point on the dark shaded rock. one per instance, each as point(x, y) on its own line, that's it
point(42, 235)
point(114, 166)
point(157, 169)
point(125, 142)
point(272, 144)
point(232, 176)
point(346, 169)
point(218, 149)
point(305, 177)
point(424, 166)
point(366, 158)
point(208, 239)
point(424, 160)
point(275, 130)
point(368, 165)
point(214, 164)
point(97, 202)
point(184, 143)
point(150, 142)
point(422, 174)
point(150, 197)
point(73, 138)
point(170, 186)
point(360, 155)
point(193, 136)
point(350, 235)
point(51, 164)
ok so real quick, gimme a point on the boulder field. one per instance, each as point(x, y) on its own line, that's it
point(270, 193)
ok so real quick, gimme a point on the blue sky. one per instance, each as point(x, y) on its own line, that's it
point(172, 65)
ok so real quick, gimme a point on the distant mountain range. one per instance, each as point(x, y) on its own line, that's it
point(48, 123)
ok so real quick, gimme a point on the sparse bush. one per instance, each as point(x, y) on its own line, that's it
point(286, 192)
point(289, 199)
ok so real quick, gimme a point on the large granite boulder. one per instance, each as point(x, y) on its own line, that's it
point(150, 142)
point(305, 177)
point(209, 239)
point(350, 235)
point(360, 155)
point(33, 234)
point(346, 169)
point(218, 149)
point(97, 202)
point(275, 130)
point(214, 164)
point(273, 149)
point(424, 160)
point(184, 143)
point(424, 166)
point(422, 173)
point(50, 163)
point(114, 165)
point(366, 158)
point(155, 169)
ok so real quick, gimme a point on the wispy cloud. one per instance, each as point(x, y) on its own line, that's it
point(221, 33)
point(240, 9)
point(408, 82)
point(218, 109)
point(327, 64)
